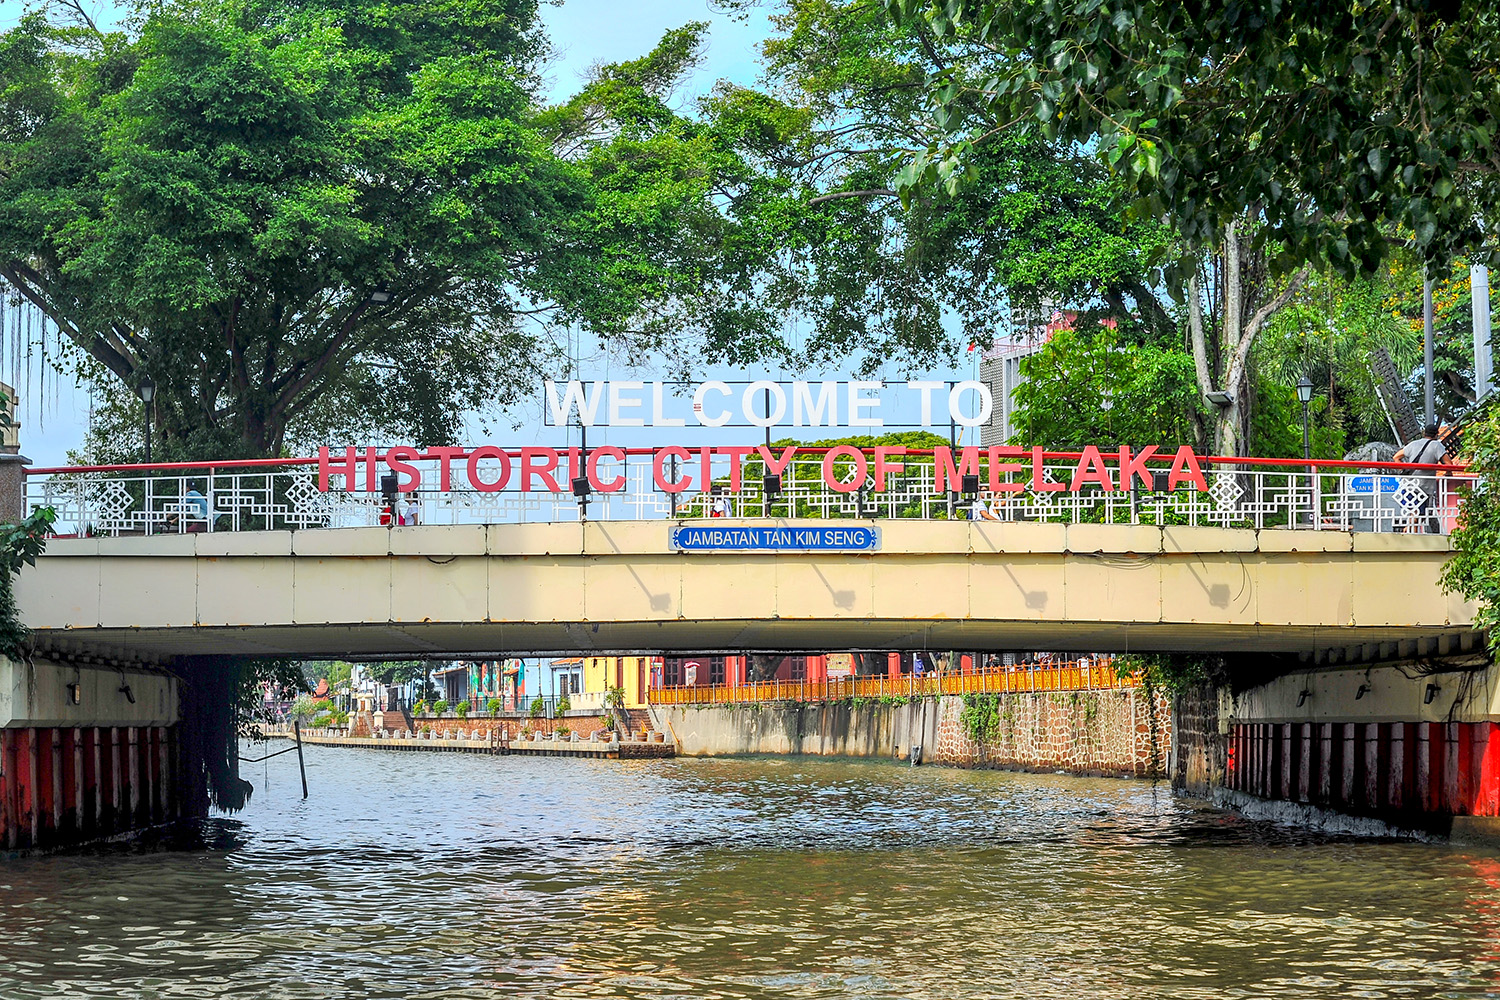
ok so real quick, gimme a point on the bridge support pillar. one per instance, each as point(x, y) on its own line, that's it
point(1374, 750)
point(81, 752)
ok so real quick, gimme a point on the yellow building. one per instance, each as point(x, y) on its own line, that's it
point(632, 673)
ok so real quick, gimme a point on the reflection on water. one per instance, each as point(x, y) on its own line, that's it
point(443, 875)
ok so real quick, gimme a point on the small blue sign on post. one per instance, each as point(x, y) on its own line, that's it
point(775, 538)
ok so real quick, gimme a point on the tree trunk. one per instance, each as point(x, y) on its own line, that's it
point(763, 667)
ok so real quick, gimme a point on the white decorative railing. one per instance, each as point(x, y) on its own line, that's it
point(277, 495)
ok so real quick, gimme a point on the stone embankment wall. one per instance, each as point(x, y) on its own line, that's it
point(1200, 750)
point(1084, 732)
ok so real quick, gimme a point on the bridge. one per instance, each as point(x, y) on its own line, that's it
point(1325, 575)
point(476, 590)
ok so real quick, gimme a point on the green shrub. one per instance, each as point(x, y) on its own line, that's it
point(440, 707)
point(563, 705)
point(563, 730)
point(538, 706)
point(420, 708)
point(462, 708)
point(494, 706)
point(615, 697)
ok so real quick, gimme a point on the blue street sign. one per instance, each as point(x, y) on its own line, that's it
point(1367, 484)
point(712, 538)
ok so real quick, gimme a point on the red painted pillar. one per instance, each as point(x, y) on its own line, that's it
point(7, 789)
point(68, 821)
point(48, 785)
point(133, 763)
point(170, 797)
point(1377, 767)
point(1403, 765)
point(1307, 762)
point(1252, 774)
point(90, 781)
point(1354, 765)
point(109, 780)
point(1236, 764)
point(1268, 761)
point(1287, 776)
point(1457, 765)
point(148, 764)
point(1331, 750)
point(1246, 761)
point(25, 801)
point(1430, 766)
point(1487, 749)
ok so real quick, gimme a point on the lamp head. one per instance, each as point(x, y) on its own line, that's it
point(146, 389)
point(1304, 390)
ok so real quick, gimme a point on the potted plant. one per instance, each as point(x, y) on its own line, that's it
point(441, 707)
point(494, 706)
point(462, 709)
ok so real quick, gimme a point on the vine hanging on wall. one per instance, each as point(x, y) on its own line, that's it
point(20, 544)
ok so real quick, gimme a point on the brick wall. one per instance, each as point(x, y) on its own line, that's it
point(1083, 732)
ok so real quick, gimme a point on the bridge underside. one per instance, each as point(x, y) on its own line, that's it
point(451, 591)
point(484, 639)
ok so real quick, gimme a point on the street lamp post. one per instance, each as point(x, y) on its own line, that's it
point(1304, 394)
point(147, 391)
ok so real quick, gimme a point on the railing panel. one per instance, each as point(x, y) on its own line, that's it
point(1246, 493)
point(1088, 673)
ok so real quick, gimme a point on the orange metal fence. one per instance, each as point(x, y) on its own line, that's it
point(1067, 675)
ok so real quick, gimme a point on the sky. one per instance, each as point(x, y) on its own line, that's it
point(583, 32)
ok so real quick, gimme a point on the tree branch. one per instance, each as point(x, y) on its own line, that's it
point(870, 193)
point(1195, 329)
point(29, 283)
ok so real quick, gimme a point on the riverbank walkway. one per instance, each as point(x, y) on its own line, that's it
point(541, 745)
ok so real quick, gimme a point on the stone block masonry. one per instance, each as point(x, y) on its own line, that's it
point(1084, 732)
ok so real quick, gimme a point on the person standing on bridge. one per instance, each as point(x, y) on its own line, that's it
point(980, 511)
point(1426, 450)
point(411, 510)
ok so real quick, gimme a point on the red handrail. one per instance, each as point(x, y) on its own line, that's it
point(1294, 464)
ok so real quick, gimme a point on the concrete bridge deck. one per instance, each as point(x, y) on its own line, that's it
point(459, 590)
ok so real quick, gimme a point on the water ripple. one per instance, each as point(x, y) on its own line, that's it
point(443, 875)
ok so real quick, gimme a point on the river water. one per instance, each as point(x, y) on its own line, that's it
point(417, 875)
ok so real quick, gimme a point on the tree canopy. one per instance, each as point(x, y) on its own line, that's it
point(1337, 128)
point(335, 214)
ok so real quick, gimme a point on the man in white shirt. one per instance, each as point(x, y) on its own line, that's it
point(979, 511)
point(1426, 450)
